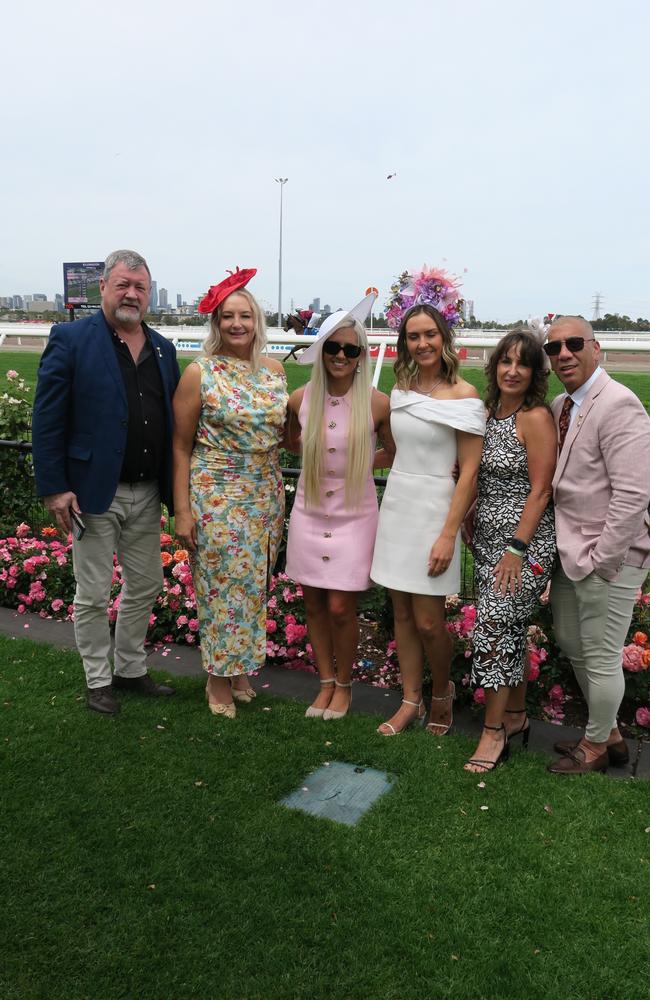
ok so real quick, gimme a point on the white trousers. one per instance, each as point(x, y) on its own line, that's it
point(591, 618)
point(131, 528)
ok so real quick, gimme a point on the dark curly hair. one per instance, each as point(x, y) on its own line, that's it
point(532, 356)
point(405, 367)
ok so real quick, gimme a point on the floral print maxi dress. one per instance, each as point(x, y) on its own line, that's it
point(237, 501)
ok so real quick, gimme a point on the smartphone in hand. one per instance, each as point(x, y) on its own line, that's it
point(78, 527)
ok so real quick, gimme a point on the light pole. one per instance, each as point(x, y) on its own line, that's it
point(281, 181)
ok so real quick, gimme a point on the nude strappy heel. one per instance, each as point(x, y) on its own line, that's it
point(441, 728)
point(419, 716)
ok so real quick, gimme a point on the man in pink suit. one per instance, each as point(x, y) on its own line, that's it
point(601, 490)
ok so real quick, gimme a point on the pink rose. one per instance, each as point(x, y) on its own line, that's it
point(556, 694)
point(21, 609)
point(479, 696)
point(193, 624)
point(190, 638)
point(633, 658)
point(643, 717)
point(182, 620)
point(271, 625)
point(533, 671)
point(295, 633)
point(23, 530)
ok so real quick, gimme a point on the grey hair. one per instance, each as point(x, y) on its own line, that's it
point(129, 258)
point(586, 327)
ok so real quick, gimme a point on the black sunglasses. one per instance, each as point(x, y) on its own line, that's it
point(332, 347)
point(573, 344)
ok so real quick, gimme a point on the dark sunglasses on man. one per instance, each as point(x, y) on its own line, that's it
point(332, 347)
point(574, 344)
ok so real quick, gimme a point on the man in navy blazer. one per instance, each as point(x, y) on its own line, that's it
point(101, 436)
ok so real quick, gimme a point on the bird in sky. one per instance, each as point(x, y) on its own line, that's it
point(391, 175)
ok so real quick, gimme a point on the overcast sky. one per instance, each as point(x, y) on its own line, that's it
point(518, 134)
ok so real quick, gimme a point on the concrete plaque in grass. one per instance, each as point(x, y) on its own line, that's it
point(342, 792)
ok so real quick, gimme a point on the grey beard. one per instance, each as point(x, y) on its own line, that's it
point(128, 316)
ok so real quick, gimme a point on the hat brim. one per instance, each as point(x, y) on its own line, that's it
point(337, 319)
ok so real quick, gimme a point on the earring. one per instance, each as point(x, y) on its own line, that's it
point(357, 369)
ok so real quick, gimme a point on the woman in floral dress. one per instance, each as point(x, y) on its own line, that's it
point(229, 413)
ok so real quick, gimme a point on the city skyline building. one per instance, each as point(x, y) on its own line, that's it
point(163, 301)
point(153, 298)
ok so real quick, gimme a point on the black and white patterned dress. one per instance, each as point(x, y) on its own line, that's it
point(502, 622)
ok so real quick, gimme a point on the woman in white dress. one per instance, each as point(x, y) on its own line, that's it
point(438, 422)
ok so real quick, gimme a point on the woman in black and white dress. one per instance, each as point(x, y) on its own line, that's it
point(513, 536)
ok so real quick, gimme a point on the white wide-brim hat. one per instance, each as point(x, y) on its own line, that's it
point(339, 318)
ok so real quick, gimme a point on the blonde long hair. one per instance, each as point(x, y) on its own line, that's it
point(212, 343)
point(359, 440)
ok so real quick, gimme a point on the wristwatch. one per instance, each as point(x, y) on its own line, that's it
point(517, 544)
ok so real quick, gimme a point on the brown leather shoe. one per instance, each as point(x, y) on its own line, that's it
point(618, 753)
point(142, 685)
point(575, 763)
point(101, 700)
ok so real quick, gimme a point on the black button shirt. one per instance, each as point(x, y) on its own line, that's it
point(145, 437)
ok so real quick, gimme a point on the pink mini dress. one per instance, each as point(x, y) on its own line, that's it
point(330, 546)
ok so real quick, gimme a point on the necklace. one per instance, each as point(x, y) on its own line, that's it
point(426, 392)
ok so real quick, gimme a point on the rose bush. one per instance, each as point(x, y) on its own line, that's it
point(17, 498)
point(36, 576)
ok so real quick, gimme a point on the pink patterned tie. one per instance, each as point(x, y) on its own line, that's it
point(564, 421)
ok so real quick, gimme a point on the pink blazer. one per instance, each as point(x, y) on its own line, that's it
point(601, 485)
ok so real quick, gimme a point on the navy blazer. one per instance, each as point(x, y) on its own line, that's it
point(80, 417)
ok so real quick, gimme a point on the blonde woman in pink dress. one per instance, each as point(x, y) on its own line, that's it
point(334, 420)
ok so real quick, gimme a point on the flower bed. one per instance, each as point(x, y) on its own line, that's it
point(36, 576)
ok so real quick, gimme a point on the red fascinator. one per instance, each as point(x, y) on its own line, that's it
point(235, 280)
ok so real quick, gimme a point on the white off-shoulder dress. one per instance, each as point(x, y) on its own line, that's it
point(419, 490)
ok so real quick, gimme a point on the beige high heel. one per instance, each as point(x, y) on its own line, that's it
point(317, 713)
point(441, 728)
point(245, 695)
point(218, 708)
point(331, 713)
point(419, 716)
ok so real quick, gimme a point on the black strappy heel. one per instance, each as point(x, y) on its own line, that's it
point(524, 729)
point(489, 765)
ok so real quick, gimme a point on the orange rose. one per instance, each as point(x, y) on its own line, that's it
point(645, 656)
point(640, 638)
point(180, 555)
point(166, 558)
point(165, 539)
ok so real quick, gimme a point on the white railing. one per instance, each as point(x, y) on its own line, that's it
point(190, 339)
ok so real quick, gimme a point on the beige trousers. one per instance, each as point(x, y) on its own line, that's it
point(591, 618)
point(131, 528)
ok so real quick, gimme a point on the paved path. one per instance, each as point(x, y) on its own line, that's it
point(184, 661)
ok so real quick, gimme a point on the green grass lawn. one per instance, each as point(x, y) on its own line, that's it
point(27, 364)
point(147, 856)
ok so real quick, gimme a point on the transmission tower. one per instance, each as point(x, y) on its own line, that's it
point(597, 301)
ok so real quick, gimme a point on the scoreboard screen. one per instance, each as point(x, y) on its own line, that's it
point(81, 285)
